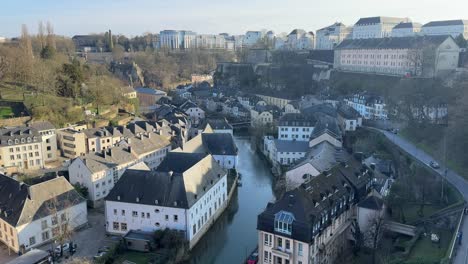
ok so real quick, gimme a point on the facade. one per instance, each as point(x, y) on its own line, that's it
point(453, 28)
point(329, 37)
point(71, 142)
point(177, 39)
point(376, 27)
point(276, 101)
point(409, 29)
point(295, 126)
point(148, 97)
point(100, 171)
point(263, 115)
point(49, 140)
point(425, 56)
point(27, 223)
point(368, 106)
point(193, 111)
point(187, 192)
point(299, 39)
point(206, 41)
point(349, 118)
point(21, 149)
point(251, 38)
point(311, 223)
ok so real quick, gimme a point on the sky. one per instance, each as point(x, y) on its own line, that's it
point(135, 17)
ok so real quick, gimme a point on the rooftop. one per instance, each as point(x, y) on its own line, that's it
point(442, 23)
point(291, 145)
point(392, 43)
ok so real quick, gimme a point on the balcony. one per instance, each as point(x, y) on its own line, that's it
point(279, 252)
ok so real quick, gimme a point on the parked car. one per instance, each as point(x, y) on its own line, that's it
point(65, 247)
point(434, 164)
point(253, 259)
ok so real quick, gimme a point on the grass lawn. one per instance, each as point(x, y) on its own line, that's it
point(5, 112)
point(425, 251)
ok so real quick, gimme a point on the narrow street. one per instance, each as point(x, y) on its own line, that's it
point(455, 179)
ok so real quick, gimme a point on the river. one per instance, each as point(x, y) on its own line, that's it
point(234, 234)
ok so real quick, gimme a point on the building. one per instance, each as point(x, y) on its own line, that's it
point(187, 193)
point(453, 28)
point(326, 130)
point(368, 106)
point(376, 27)
point(148, 97)
point(193, 111)
point(252, 38)
point(71, 142)
point(207, 41)
point(129, 92)
point(319, 159)
point(299, 39)
point(311, 224)
point(177, 39)
point(32, 215)
point(100, 171)
point(48, 134)
point(263, 115)
point(329, 37)
point(220, 145)
point(348, 118)
point(280, 102)
point(218, 125)
point(287, 152)
point(21, 149)
point(425, 56)
point(295, 126)
point(406, 29)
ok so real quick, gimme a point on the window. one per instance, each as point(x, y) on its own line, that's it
point(299, 250)
point(157, 224)
point(45, 236)
point(32, 240)
point(44, 224)
point(280, 242)
point(54, 220)
point(115, 225)
point(123, 226)
point(194, 229)
point(288, 244)
point(123, 212)
point(134, 213)
point(142, 215)
point(167, 217)
point(265, 239)
point(55, 231)
point(176, 218)
point(283, 222)
point(265, 256)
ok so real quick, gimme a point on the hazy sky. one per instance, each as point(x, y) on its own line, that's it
point(134, 17)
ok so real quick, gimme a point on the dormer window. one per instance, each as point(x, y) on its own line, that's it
point(10, 142)
point(34, 139)
point(16, 141)
point(283, 222)
point(29, 139)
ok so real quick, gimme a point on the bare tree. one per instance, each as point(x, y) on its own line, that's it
point(373, 235)
point(50, 36)
point(40, 35)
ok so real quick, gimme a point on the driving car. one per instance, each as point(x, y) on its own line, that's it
point(434, 164)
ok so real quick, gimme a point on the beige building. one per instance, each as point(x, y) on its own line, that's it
point(71, 142)
point(376, 27)
point(425, 56)
point(21, 149)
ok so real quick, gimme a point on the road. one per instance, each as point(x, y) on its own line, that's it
point(455, 179)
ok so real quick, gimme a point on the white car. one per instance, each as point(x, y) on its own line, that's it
point(64, 247)
point(434, 165)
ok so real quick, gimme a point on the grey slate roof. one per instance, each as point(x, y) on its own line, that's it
point(219, 143)
point(179, 162)
point(19, 133)
point(392, 43)
point(327, 124)
point(297, 119)
point(408, 25)
point(178, 190)
point(147, 90)
point(218, 123)
point(291, 145)
point(297, 31)
point(21, 203)
point(348, 112)
point(446, 23)
point(42, 125)
point(322, 55)
point(323, 157)
point(379, 19)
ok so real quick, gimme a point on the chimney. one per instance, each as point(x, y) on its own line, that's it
point(291, 200)
point(149, 135)
point(104, 154)
point(118, 197)
point(129, 141)
point(156, 202)
point(138, 199)
point(130, 149)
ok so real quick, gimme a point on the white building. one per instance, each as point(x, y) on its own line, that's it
point(177, 39)
point(447, 27)
point(220, 145)
point(368, 106)
point(376, 27)
point(408, 29)
point(299, 39)
point(263, 115)
point(349, 118)
point(403, 56)
point(21, 149)
point(187, 193)
point(195, 113)
point(207, 41)
point(49, 140)
point(329, 37)
point(33, 215)
point(295, 126)
point(99, 172)
point(251, 38)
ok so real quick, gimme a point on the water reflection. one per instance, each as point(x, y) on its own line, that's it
point(234, 234)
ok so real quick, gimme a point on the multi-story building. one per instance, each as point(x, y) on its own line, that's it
point(193, 111)
point(348, 118)
point(220, 145)
point(48, 134)
point(206, 41)
point(252, 38)
point(329, 37)
point(71, 142)
point(148, 98)
point(263, 115)
point(32, 215)
point(21, 149)
point(368, 106)
point(177, 39)
point(376, 27)
point(406, 29)
point(299, 39)
point(100, 171)
point(187, 192)
point(311, 223)
point(295, 126)
point(453, 28)
point(425, 56)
